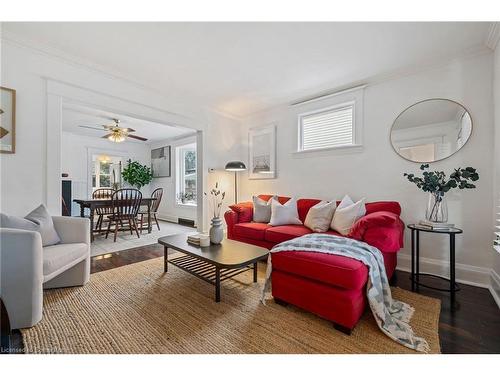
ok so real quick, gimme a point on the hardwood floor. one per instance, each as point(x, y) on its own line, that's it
point(472, 327)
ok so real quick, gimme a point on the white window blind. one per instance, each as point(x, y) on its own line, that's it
point(327, 128)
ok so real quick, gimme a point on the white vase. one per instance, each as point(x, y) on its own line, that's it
point(216, 231)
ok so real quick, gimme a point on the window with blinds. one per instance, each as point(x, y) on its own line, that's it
point(327, 128)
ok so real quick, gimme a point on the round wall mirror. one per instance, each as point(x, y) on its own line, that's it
point(431, 130)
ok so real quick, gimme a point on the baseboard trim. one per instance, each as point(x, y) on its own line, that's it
point(494, 287)
point(465, 274)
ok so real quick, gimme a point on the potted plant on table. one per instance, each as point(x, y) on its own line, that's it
point(437, 185)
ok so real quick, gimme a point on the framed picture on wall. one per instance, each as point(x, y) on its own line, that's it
point(160, 162)
point(262, 152)
point(7, 120)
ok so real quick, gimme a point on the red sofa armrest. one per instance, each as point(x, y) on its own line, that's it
point(231, 218)
point(382, 229)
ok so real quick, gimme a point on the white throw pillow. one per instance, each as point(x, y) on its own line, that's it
point(262, 209)
point(283, 214)
point(320, 216)
point(346, 214)
point(38, 220)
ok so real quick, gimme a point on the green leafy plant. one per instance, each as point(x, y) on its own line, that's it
point(136, 174)
point(435, 182)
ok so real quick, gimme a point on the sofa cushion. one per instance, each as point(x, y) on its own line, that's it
point(254, 231)
point(319, 216)
point(262, 209)
point(346, 214)
point(303, 206)
point(284, 214)
point(330, 269)
point(285, 233)
point(61, 257)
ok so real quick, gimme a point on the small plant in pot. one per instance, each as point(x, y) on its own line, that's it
point(216, 197)
point(136, 174)
point(437, 185)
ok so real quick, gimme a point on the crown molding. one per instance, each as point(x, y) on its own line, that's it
point(424, 66)
point(49, 51)
point(493, 36)
point(55, 53)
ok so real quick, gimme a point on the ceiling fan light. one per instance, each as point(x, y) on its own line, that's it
point(117, 137)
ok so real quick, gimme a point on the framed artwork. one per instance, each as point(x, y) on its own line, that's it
point(160, 162)
point(7, 120)
point(262, 152)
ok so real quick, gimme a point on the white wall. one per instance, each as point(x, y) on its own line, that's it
point(75, 149)
point(169, 208)
point(32, 69)
point(376, 172)
point(495, 279)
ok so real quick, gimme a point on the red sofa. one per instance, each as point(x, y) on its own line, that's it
point(330, 286)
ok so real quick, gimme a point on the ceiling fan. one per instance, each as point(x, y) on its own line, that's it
point(115, 132)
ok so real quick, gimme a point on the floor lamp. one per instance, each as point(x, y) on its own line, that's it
point(235, 166)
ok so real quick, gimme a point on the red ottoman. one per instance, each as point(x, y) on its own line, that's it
point(331, 286)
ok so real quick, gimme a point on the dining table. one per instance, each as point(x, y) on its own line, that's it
point(92, 204)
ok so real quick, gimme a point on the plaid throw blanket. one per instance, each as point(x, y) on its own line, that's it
point(391, 316)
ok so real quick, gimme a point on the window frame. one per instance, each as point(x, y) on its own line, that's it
point(345, 104)
point(327, 102)
point(98, 174)
point(180, 175)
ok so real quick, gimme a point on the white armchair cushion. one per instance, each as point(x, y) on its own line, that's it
point(38, 220)
point(58, 258)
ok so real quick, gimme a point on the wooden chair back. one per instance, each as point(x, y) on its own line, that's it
point(126, 202)
point(157, 194)
point(103, 193)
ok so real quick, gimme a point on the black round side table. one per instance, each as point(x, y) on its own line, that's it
point(415, 260)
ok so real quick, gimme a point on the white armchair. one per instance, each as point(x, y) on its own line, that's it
point(26, 268)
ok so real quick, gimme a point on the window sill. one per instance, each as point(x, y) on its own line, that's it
point(349, 149)
point(186, 204)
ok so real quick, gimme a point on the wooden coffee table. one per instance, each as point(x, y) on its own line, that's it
point(214, 263)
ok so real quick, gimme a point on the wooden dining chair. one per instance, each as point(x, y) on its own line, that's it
point(125, 207)
point(157, 194)
point(102, 212)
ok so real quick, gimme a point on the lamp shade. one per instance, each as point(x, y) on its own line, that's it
point(235, 166)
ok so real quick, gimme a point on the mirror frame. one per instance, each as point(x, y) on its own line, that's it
point(423, 101)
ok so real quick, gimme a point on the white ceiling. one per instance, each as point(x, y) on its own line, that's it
point(242, 68)
point(75, 115)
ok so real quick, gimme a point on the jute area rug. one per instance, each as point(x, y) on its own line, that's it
point(139, 309)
